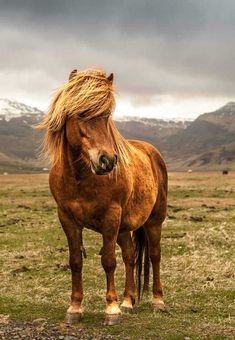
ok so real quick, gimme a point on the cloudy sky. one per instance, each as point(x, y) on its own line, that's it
point(170, 58)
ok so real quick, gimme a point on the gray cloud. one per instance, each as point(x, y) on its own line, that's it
point(180, 48)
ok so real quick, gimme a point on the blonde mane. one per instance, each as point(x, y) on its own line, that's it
point(88, 94)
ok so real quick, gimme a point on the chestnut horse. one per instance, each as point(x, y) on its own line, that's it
point(103, 182)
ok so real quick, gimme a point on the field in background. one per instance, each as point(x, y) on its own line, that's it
point(197, 261)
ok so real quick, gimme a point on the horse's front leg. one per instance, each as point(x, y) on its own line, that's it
point(74, 236)
point(108, 260)
point(125, 242)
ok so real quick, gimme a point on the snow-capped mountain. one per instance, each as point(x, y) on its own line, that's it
point(12, 109)
point(18, 140)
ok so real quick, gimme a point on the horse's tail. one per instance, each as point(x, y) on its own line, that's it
point(141, 248)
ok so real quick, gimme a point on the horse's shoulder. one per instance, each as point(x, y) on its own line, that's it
point(152, 152)
point(145, 147)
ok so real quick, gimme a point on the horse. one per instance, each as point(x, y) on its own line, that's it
point(104, 182)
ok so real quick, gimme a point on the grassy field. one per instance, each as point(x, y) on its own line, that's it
point(197, 261)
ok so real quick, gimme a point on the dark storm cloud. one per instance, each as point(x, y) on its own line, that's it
point(181, 47)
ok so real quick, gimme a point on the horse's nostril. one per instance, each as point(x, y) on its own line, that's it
point(104, 162)
point(115, 159)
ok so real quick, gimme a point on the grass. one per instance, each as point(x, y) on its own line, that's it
point(17, 167)
point(197, 261)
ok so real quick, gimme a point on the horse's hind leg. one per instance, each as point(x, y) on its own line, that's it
point(125, 242)
point(153, 233)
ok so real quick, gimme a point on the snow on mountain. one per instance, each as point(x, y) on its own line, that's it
point(159, 122)
point(12, 109)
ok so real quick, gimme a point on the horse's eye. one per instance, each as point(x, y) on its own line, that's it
point(83, 132)
point(83, 114)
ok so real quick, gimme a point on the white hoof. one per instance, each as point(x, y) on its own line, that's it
point(126, 306)
point(113, 308)
point(158, 305)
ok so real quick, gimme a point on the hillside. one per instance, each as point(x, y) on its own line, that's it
point(223, 156)
point(18, 140)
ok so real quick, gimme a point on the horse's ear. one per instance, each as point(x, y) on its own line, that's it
point(72, 74)
point(110, 78)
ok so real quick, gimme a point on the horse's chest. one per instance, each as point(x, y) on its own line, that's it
point(87, 214)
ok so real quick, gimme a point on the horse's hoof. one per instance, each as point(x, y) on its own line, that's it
point(159, 307)
point(73, 318)
point(126, 310)
point(112, 319)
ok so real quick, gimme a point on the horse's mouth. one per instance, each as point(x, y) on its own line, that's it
point(98, 170)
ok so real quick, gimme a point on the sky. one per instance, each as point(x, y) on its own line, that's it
point(170, 59)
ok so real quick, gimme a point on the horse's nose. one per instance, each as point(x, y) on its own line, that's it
point(107, 163)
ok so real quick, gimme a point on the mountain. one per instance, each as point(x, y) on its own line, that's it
point(209, 130)
point(206, 143)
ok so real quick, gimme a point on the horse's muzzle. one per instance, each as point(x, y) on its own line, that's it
point(105, 165)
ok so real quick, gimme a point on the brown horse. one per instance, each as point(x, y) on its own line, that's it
point(131, 196)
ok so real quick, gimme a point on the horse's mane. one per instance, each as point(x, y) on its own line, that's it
point(88, 94)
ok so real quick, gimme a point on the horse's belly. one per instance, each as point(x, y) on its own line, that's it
point(137, 213)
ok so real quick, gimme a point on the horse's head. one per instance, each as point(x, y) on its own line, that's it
point(93, 140)
point(81, 113)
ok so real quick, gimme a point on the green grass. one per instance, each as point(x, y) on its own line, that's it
point(17, 167)
point(197, 262)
